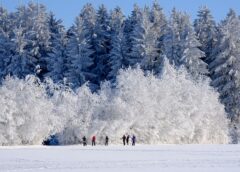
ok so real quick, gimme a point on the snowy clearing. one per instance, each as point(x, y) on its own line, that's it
point(167, 158)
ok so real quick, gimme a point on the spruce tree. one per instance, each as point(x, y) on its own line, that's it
point(6, 45)
point(88, 15)
point(144, 50)
point(56, 58)
point(159, 28)
point(129, 37)
point(18, 62)
point(206, 31)
point(225, 66)
point(101, 45)
point(116, 56)
point(31, 38)
point(39, 39)
point(182, 46)
point(79, 55)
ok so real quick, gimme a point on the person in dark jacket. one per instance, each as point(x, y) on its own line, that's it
point(84, 140)
point(133, 140)
point(127, 139)
point(94, 141)
point(124, 140)
point(106, 141)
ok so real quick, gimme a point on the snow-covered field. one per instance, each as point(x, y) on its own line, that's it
point(162, 158)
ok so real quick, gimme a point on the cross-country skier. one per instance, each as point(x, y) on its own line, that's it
point(84, 141)
point(127, 139)
point(124, 140)
point(94, 141)
point(106, 141)
point(133, 140)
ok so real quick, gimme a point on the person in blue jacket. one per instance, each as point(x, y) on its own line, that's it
point(133, 140)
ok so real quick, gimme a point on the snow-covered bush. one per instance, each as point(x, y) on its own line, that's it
point(171, 108)
point(77, 110)
point(26, 115)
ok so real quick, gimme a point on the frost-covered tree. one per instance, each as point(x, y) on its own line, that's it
point(182, 46)
point(88, 15)
point(38, 36)
point(18, 62)
point(129, 26)
point(117, 59)
point(101, 40)
point(79, 55)
point(225, 66)
point(159, 27)
point(170, 109)
point(6, 45)
point(31, 38)
point(144, 44)
point(206, 31)
point(56, 58)
point(80, 107)
point(27, 116)
point(158, 19)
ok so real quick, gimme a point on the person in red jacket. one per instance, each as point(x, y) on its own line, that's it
point(94, 141)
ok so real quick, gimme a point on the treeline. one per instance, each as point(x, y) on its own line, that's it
point(100, 42)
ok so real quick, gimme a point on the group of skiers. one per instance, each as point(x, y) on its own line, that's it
point(84, 141)
point(125, 139)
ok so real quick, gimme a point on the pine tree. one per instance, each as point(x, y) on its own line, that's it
point(6, 46)
point(226, 66)
point(56, 58)
point(116, 55)
point(17, 66)
point(206, 31)
point(18, 61)
point(88, 15)
point(31, 38)
point(102, 46)
point(79, 55)
point(38, 36)
point(182, 46)
point(144, 49)
point(159, 28)
point(129, 26)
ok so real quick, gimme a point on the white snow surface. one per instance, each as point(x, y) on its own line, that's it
point(164, 158)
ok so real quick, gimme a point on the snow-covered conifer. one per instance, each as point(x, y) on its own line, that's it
point(56, 58)
point(159, 27)
point(79, 55)
point(206, 31)
point(225, 66)
point(182, 46)
point(38, 38)
point(144, 50)
point(129, 25)
point(18, 63)
point(102, 40)
point(117, 57)
point(31, 37)
point(6, 46)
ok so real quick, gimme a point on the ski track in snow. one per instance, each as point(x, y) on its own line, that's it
point(167, 158)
